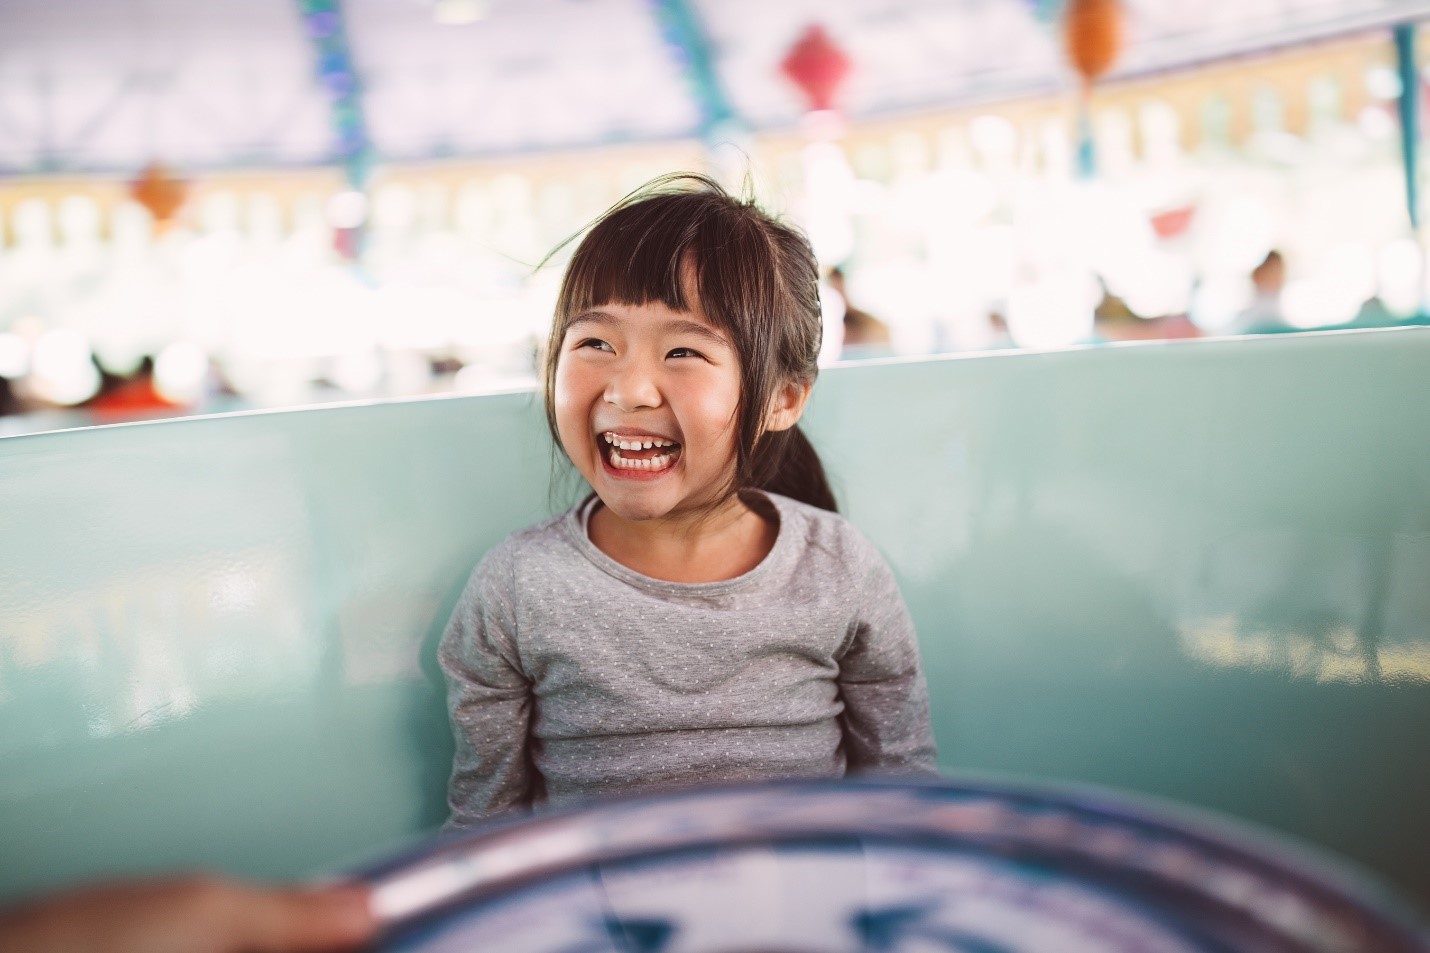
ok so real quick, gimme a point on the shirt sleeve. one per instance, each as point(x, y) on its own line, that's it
point(489, 700)
point(881, 682)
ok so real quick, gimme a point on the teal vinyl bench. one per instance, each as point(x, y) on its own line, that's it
point(1198, 569)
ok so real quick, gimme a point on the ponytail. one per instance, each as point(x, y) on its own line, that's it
point(786, 463)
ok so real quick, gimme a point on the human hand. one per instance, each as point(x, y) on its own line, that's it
point(191, 914)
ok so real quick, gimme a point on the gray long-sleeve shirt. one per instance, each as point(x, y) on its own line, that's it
point(571, 676)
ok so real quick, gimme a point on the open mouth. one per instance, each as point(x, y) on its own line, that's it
point(638, 453)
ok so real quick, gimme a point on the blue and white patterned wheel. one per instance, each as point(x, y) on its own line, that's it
point(882, 866)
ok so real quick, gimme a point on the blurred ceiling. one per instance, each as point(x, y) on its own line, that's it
point(109, 85)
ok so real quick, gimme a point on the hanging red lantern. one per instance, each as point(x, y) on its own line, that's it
point(1172, 222)
point(817, 66)
point(158, 190)
point(1093, 31)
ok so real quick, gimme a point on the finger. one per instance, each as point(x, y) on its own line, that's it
point(171, 915)
point(267, 920)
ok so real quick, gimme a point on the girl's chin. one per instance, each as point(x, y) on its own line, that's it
point(637, 495)
point(634, 511)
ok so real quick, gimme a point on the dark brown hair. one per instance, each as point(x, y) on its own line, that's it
point(756, 280)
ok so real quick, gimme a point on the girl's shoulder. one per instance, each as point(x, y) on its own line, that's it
point(543, 541)
point(826, 534)
point(811, 519)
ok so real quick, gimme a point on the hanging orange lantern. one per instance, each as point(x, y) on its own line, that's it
point(817, 66)
point(1093, 31)
point(161, 192)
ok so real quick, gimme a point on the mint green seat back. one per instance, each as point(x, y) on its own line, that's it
point(1199, 570)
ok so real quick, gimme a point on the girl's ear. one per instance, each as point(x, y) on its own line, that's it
point(787, 405)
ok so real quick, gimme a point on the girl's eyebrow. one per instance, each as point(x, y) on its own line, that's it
point(673, 326)
point(594, 317)
point(681, 326)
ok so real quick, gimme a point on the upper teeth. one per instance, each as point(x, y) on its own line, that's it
point(636, 443)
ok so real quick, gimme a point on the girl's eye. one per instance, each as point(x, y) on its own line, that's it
point(596, 343)
point(684, 352)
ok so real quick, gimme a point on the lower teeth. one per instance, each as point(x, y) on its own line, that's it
point(658, 462)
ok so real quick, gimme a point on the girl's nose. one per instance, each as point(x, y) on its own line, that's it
point(633, 386)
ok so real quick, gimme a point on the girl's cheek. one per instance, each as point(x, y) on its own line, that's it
point(565, 382)
point(571, 418)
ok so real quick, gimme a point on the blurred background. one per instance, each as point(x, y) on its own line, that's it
point(211, 205)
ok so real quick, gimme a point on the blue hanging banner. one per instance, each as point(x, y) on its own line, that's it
point(323, 22)
point(688, 44)
point(1409, 117)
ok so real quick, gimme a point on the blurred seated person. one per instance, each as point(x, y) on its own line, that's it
point(1114, 319)
point(998, 329)
point(9, 400)
point(194, 914)
point(865, 336)
point(1264, 313)
point(129, 398)
point(1374, 313)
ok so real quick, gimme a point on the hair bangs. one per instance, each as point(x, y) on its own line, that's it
point(636, 256)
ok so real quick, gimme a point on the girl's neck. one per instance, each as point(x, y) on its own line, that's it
point(709, 547)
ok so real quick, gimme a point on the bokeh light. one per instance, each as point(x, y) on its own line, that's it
point(62, 368)
point(181, 371)
point(14, 356)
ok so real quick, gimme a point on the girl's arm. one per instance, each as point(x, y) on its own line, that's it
point(489, 700)
point(881, 681)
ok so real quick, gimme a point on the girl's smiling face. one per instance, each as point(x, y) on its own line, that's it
point(646, 404)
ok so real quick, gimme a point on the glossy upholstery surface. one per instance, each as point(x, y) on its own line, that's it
point(1199, 570)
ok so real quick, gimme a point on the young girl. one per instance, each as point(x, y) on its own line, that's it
point(704, 615)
